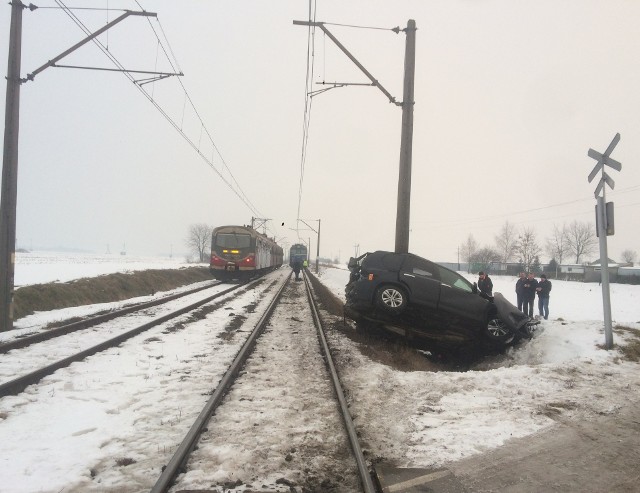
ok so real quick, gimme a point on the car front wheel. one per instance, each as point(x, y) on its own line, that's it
point(497, 331)
point(392, 299)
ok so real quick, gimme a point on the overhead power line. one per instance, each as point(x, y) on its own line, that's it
point(232, 183)
point(479, 219)
point(306, 121)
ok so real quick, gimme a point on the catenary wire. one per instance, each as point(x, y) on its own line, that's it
point(307, 105)
point(237, 190)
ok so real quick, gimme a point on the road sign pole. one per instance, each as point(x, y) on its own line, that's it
point(604, 270)
point(603, 160)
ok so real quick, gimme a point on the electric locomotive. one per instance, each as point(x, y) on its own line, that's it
point(240, 252)
point(297, 252)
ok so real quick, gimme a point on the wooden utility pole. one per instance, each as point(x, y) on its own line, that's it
point(10, 169)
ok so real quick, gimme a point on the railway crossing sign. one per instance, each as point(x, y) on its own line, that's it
point(604, 226)
point(602, 160)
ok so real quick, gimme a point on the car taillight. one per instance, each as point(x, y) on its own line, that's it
point(249, 261)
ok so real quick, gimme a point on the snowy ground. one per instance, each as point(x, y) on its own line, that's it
point(72, 428)
point(43, 267)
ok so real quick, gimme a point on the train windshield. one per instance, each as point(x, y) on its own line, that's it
point(233, 240)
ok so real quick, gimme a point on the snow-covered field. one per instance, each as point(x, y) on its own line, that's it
point(89, 414)
point(43, 267)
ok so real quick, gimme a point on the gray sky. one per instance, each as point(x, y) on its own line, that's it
point(509, 96)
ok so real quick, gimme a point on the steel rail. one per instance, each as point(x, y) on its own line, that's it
point(91, 321)
point(363, 469)
point(179, 458)
point(17, 385)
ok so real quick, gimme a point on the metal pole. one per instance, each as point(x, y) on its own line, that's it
point(10, 169)
point(318, 247)
point(406, 144)
point(604, 271)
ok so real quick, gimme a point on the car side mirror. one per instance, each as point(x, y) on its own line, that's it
point(353, 263)
point(475, 288)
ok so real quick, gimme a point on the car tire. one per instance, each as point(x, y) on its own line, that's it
point(392, 299)
point(498, 332)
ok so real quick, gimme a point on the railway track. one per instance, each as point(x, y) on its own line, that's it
point(67, 328)
point(276, 420)
point(40, 357)
point(143, 414)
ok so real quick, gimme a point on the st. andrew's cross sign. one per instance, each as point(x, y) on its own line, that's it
point(602, 160)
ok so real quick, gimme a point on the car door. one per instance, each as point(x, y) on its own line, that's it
point(422, 279)
point(458, 299)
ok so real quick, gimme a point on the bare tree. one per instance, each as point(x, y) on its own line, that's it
point(199, 240)
point(629, 256)
point(581, 239)
point(506, 242)
point(484, 256)
point(557, 246)
point(468, 249)
point(527, 249)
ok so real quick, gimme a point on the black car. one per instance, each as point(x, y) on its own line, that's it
point(422, 300)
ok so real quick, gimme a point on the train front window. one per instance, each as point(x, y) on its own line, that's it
point(232, 240)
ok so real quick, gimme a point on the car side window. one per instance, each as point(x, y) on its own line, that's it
point(454, 280)
point(422, 268)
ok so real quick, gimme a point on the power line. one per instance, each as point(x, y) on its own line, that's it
point(467, 221)
point(307, 105)
point(237, 189)
point(394, 29)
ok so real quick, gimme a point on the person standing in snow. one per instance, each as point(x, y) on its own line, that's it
point(530, 286)
point(297, 267)
point(485, 285)
point(520, 290)
point(543, 290)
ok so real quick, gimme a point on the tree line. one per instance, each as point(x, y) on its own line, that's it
point(573, 242)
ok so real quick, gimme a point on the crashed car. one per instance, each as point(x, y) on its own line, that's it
point(426, 302)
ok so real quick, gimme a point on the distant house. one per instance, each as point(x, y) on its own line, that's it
point(571, 272)
point(629, 274)
point(593, 271)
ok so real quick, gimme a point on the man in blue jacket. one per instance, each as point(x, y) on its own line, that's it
point(543, 289)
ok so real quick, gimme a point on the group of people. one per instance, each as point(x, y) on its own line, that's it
point(527, 287)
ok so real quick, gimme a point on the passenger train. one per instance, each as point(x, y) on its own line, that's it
point(297, 252)
point(240, 252)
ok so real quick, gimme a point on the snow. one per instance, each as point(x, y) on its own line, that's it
point(44, 267)
point(68, 432)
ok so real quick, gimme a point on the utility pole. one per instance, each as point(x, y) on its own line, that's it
point(406, 142)
point(403, 212)
point(10, 153)
point(10, 169)
point(318, 245)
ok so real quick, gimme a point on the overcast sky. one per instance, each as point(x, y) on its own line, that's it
point(509, 97)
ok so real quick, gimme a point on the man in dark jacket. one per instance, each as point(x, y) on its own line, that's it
point(530, 286)
point(485, 285)
point(297, 267)
point(543, 290)
point(520, 289)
